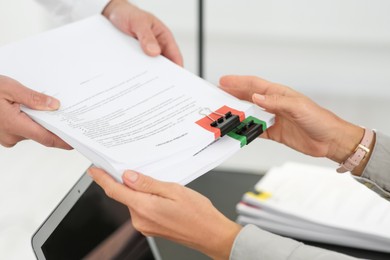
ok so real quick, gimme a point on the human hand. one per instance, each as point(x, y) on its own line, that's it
point(171, 211)
point(299, 122)
point(154, 36)
point(15, 125)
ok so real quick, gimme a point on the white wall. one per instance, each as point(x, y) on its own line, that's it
point(362, 20)
point(347, 20)
point(21, 18)
point(329, 47)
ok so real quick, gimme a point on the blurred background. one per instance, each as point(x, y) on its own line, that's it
point(336, 52)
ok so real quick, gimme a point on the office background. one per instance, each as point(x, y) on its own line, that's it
point(337, 52)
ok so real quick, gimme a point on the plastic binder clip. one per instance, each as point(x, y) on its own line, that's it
point(248, 130)
point(226, 123)
point(221, 121)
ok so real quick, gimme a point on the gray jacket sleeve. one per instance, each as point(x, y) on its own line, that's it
point(376, 175)
point(253, 243)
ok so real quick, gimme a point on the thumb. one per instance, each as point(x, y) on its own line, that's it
point(146, 184)
point(151, 47)
point(32, 99)
point(148, 41)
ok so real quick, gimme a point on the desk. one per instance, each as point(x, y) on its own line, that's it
point(225, 189)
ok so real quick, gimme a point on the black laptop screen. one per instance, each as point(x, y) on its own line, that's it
point(97, 227)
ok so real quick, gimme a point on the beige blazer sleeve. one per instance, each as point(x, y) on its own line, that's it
point(253, 243)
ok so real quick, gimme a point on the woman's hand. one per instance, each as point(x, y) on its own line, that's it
point(299, 122)
point(171, 211)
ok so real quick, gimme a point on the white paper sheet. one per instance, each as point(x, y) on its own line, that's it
point(119, 107)
point(316, 203)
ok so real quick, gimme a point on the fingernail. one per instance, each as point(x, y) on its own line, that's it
point(131, 176)
point(52, 103)
point(89, 172)
point(258, 97)
point(153, 48)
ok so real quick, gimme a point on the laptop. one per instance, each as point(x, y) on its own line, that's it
point(87, 224)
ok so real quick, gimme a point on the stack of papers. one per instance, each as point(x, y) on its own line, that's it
point(317, 204)
point(121, 108)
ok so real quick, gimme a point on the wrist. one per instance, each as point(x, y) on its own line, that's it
point(220, 246)
point(110, 6)
point(347, 137)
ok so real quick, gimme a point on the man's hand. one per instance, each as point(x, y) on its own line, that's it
point(154, 36)
point(15, 125)
point(171, 211)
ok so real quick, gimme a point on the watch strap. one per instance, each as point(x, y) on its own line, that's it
point(360, 152)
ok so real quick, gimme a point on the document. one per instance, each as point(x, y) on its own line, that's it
point(121, 108)
point(317, 204)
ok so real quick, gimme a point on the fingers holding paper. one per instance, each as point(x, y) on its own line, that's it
point(244, 87)
point(171, 211)
point(300, 123)
point(15, 125)
point(155, 38)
